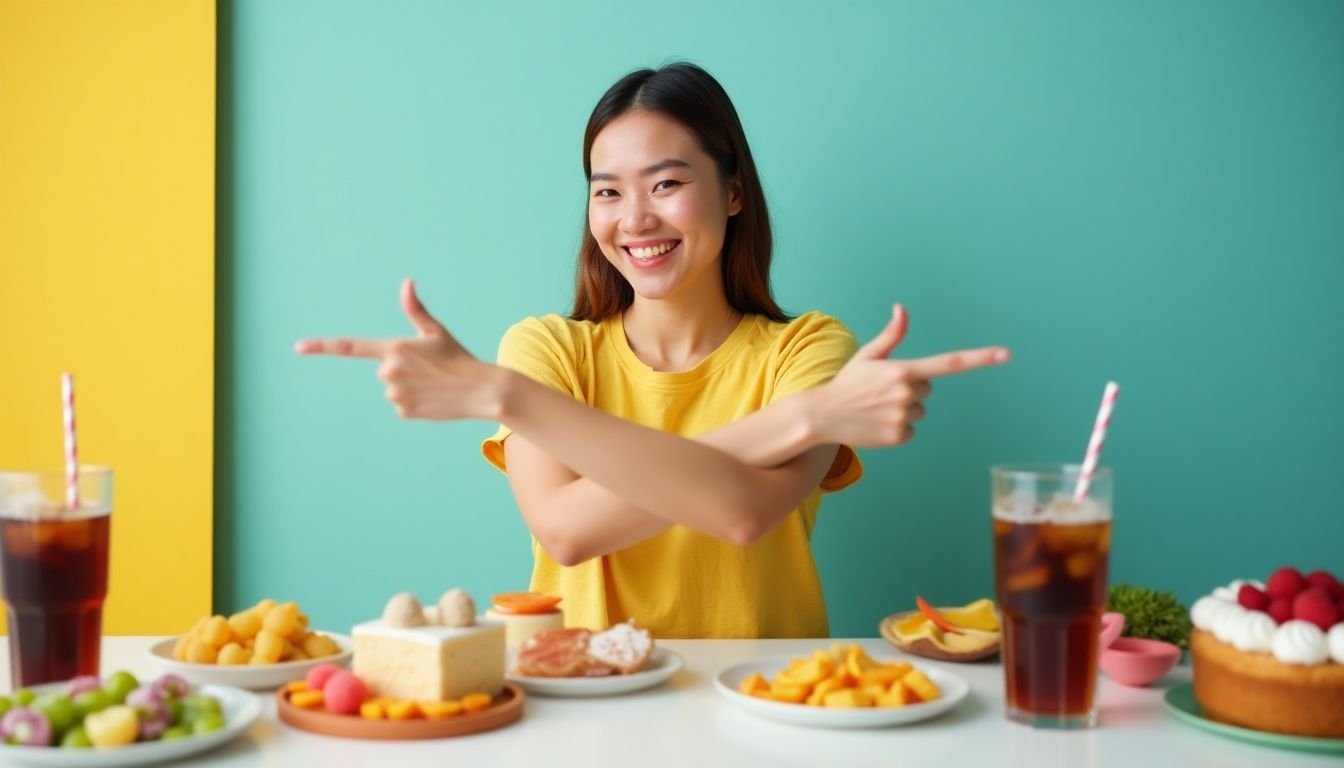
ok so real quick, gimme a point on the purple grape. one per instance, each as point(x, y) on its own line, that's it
point(152, 729)
point(147, 703)
point(25, 727)
point(170, 686)
point(83, 683)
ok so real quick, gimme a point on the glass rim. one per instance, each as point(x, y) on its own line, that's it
point(90, 470)
point(1044, 470)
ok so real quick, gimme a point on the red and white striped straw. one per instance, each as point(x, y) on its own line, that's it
point(71, 448)
point(1098, 437)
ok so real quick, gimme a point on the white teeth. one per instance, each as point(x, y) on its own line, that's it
point(644, 254)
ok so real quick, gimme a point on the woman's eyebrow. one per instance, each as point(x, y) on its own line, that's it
point(661, 165)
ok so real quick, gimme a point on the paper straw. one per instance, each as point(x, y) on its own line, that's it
point(71, 450)
point(1098, 437)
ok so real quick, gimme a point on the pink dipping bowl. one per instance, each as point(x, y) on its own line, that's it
point(1135, 661)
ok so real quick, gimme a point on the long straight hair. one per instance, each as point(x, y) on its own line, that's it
point(691, 96)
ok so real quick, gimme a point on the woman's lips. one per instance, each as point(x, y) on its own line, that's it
point(653, 261)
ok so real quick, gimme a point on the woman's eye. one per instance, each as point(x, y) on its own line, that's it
point(605, 192)
point(666, 184)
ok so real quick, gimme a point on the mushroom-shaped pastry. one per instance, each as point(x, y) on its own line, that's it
point(456, 609)
point(403, 610)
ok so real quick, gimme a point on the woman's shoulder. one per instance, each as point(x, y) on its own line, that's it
point(809, 327)
point(555, 338)
point(554, 329)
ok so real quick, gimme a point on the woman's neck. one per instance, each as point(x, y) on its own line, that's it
point(668, 335)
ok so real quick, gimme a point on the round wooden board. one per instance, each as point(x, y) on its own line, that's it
point(507, 708)
point(925, 647)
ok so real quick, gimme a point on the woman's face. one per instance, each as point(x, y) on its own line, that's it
point(657, 206)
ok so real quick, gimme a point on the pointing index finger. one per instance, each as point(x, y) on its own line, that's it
point(341, 347)
point(950, 363)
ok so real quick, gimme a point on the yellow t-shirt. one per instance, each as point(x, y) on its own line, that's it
point(682, 583)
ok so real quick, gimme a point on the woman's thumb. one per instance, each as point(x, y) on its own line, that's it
point(889, 337)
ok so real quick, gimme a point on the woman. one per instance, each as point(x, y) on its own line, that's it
point(668, 443)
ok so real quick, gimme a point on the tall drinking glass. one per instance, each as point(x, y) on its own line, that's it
point(1050, 558)
point(53, 572)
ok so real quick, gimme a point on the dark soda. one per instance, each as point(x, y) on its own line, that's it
point(1051, 581)
point(54, 575)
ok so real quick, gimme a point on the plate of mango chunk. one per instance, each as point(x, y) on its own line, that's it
point(840, 687)
point(261, 647)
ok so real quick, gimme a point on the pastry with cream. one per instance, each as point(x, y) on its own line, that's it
point(435, 654)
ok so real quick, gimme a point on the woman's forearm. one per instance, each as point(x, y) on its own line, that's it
point(581, 519)
point(698, 483)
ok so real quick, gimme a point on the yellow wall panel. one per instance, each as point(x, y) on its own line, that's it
point(107, 113)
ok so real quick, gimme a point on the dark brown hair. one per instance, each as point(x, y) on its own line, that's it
point(688, 94)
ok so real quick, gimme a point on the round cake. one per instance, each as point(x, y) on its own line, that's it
point(1270, 656)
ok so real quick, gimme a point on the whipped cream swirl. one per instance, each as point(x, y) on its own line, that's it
point(1293, 642)
point(1334, 640)
point(1300, 642)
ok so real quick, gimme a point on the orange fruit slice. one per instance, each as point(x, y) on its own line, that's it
point(937, 618)
point(525, 602)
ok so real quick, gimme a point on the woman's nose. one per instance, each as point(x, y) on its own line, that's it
point(636, 216)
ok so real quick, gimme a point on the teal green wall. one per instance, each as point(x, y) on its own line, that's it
point(1150, 192)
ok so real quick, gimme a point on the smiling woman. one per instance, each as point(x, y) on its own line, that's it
point(668, 442)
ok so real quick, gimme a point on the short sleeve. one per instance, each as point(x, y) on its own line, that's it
point(540, 350)
point(812, 349)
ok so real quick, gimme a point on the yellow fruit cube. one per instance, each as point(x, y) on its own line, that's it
point(435, 710)
point(245, 624)
point(283, 619)
point(857, 662)
point(849, 698)
point(475, 702)
point(317, 646)
point(753, 683)
point(234, 654)
point(794, 694)
point(373, 710)
point(923, 687)
point(897, 696)
point(884, 675)
point(216, 632)
point(810, 672)
point(402, 710)
point(180, 647)
point(201, 652)
point(822, 688)
point(306, 699)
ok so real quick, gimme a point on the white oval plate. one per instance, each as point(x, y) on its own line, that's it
point(662, 665)
point(239, 708)
point(255, 678)
point(952, 689)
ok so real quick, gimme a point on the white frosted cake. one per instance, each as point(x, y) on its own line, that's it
point(428, 661)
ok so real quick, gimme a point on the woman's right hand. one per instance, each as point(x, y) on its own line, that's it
point(874, 401)
point(431, 376)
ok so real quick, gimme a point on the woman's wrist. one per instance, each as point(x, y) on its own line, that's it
point(811, 426)
point(500, 392)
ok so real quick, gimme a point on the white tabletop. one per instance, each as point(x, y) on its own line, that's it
point(686, 723)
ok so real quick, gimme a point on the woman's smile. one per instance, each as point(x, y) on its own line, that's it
point(647, 254)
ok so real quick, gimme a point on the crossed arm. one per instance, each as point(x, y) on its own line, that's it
point(589, 483)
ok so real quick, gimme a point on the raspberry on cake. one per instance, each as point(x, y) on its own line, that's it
point(1271, 658)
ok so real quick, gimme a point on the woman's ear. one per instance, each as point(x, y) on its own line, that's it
point(734, 196)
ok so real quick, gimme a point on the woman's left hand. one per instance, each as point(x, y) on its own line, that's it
point(430, 376)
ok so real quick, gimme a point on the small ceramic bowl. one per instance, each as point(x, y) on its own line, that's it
point(1111, 625)
point(1138, 662)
